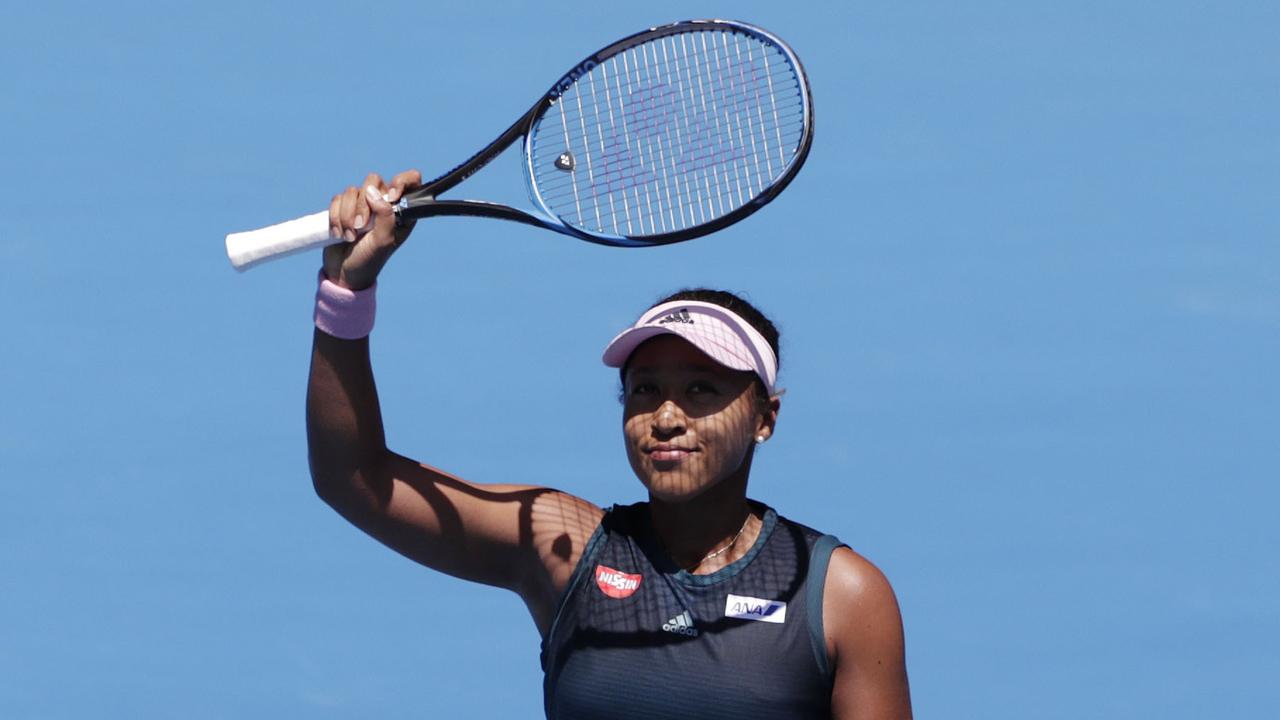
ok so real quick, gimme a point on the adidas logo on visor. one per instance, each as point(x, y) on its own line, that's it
point(680, 316)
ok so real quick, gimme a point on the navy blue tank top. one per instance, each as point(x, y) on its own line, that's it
point(637, 637)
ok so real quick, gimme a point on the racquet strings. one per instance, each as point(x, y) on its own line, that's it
point(670, 134)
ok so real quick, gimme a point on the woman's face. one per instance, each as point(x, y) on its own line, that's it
point(689, 422)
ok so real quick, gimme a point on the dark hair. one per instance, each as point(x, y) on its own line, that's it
point(739, 307)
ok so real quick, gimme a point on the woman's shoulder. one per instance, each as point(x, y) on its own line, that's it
point(854, 577)
point(847, 573)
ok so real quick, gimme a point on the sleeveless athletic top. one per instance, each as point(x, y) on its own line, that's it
point(637, 637)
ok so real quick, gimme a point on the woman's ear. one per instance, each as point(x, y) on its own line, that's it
point(768, 418)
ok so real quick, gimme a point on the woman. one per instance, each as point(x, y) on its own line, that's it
point(700, 602)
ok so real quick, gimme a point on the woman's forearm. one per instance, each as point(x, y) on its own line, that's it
point(345, 439)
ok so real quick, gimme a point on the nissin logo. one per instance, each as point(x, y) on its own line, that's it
point(615, 583)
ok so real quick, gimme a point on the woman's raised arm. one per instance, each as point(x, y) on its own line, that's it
point(523, 538)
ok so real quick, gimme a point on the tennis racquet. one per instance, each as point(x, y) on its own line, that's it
point(663, 136)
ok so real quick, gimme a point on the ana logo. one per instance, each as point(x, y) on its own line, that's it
point(680, 316)
point(750, 608)
point(615, 583)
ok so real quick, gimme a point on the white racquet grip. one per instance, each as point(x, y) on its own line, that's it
point(246, 249)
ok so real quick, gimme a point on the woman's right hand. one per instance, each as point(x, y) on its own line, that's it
point(367, 222)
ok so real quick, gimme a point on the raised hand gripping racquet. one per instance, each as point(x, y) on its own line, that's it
point(663, 136)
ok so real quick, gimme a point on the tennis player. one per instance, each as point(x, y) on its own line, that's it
point(700, 602)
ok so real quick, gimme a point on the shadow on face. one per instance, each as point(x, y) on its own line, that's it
point(689, 422)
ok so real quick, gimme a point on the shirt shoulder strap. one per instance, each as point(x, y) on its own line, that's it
point(815, 582)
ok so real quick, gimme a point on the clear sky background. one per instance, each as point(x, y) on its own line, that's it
point(1028, 283)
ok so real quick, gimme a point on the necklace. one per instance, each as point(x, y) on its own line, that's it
point(723, 550)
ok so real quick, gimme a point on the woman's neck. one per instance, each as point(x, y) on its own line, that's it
point(707, 532)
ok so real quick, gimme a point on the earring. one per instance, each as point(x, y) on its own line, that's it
point(759, 439)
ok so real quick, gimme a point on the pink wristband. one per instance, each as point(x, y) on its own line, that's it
point(343, 313)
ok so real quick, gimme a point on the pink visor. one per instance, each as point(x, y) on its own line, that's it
point(720, 333)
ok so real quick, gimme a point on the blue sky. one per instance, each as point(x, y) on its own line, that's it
point(1028, 284)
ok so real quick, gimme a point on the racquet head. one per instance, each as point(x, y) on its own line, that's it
point(670, 134)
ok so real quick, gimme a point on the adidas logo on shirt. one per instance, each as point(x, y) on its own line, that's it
point(681, 624)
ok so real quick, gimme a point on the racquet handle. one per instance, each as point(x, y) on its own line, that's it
point(246, 249)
